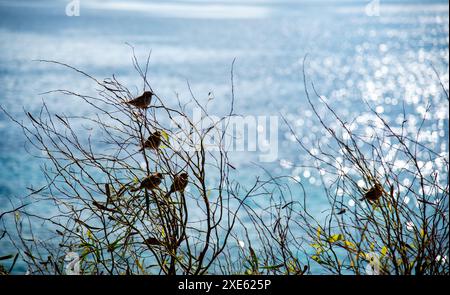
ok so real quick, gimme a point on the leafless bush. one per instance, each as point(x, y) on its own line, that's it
point(112, 193)
point(118, 198)
point(388, 207)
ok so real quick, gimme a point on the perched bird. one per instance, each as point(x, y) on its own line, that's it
point(152, 242)
point(373, 194)
point(150, 182)
point(142, 101)
point(153, 141)
point(180, 182)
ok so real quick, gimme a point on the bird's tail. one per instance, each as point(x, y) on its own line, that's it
point(147, 203)
point(167, 195)
point(135, 189)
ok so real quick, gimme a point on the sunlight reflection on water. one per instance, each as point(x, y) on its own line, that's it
point(387, 61)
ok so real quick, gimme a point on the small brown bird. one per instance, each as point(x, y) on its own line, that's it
point(150, 182)
point(153, 141)
point(152, 242)
point(373, 194)
point(142, 101)
point(180, 182)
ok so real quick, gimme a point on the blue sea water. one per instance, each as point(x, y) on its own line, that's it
point(386, 59)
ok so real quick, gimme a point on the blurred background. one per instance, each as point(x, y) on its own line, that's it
point(381, 51)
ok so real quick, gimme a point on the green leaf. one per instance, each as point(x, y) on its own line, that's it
point(384, 250)
point(316, 246)
point(349, 244)
point(165, 135)
point(272, 267)
point(316, 258)
point(422, 232)
point(291, 266)
point(89, 235)
point(336, 237)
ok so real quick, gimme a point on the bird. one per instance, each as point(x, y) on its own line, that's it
point(153, 141)
point(373, 194)
point(142, 101)
point(152, 242)
point(180, 182)
point(151, 182)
